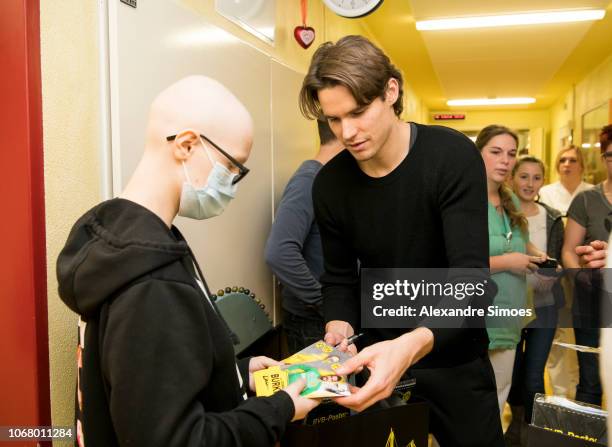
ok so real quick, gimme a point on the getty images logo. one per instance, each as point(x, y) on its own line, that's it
point(413, 290)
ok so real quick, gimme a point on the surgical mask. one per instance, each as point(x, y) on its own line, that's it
point(212, 199)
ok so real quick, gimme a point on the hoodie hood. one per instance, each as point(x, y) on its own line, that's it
point(108, 248)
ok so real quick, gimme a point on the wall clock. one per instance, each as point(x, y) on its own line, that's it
point(352, 9)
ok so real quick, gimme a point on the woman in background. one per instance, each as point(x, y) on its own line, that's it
point(545, 233)
point(589, 220)
point(562, 364)
point(560, 194)
point(508, 250)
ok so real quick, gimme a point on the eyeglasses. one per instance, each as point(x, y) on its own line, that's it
point(242, 169)
point(568, 159)
point(607, 155)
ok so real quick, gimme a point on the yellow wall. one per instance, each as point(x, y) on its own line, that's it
point(562, 121)
point(69, 57)
point(514, 119)
point(593, 90)
point(414, 107)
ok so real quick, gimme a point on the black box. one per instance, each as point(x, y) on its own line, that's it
point(407, 424)
point(540, 437)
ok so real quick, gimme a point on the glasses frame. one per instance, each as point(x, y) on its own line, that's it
point(242, 169)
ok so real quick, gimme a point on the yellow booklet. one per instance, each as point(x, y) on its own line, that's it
point(316, 364)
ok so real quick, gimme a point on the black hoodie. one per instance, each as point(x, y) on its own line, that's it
point(156, 362)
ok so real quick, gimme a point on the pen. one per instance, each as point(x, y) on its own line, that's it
point(351, 339)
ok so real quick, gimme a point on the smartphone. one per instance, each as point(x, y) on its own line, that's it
point(549, 263)
point(548, 267)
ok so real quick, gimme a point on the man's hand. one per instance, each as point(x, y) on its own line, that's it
point(258, 363)
point(336, 334)
point(593, 255)
point(387, 362)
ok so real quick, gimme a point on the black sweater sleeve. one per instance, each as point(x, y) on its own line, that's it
point(157, 357)
point(462, 198)
point(462, 201)
point(339, 281)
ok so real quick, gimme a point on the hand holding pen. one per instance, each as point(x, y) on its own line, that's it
point(337, 334)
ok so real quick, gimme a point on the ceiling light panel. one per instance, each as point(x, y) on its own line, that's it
point(490, 101)
point(527, 18)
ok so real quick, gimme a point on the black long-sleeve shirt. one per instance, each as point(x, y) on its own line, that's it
point(429, 212)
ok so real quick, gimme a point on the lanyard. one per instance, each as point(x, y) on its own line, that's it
point(507, 232)
point(199, 277)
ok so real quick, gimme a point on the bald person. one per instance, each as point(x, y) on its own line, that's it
point(156, 363)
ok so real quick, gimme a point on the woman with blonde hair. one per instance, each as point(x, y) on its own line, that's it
point(562, 366)
point(570, 166)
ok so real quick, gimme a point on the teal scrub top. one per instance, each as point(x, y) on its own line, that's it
point(512, 288)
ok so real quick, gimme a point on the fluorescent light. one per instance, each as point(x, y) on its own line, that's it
point(526, 18)
point(490, 101)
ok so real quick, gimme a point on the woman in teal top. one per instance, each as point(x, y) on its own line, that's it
point(507, 239)
point(508, 248)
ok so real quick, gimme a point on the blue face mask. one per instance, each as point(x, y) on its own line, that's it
point(212, 199)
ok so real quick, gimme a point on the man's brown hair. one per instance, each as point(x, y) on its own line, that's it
point(357, 64)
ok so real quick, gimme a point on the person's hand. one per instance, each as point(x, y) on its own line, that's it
point(258, 363)
point(302, 404)
point(336, 334)
point(520, 263)
point(387, 362)
point(538, 258)
point(593, 255)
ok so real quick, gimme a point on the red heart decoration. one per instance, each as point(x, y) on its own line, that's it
point(305, 35)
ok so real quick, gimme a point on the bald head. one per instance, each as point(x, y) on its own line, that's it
point(205, 106)
point(192, 106)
